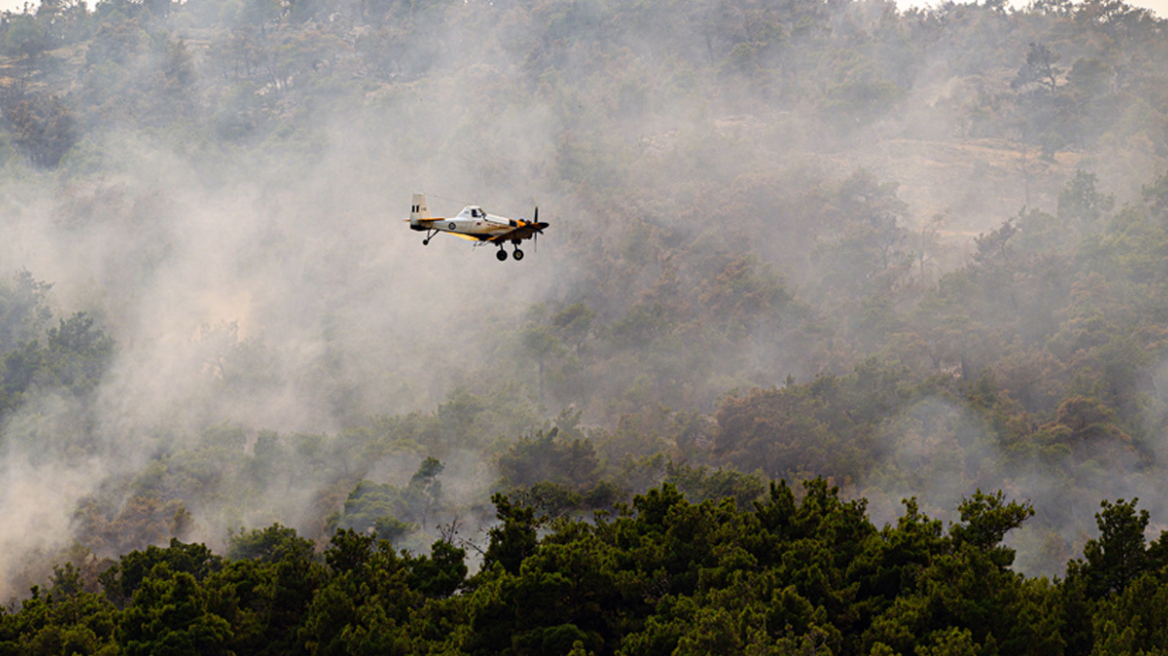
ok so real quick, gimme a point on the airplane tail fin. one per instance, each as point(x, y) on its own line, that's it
point(419, 210)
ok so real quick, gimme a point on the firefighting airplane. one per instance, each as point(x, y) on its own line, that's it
point(476, 225)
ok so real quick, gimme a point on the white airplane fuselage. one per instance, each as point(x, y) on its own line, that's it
point(471, 221)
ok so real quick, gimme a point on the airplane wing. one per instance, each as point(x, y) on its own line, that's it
point(522, 232)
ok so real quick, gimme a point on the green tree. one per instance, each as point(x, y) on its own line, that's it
point(121, 581)
point(546, 457)
point(270, 545)
point(1040, 68)
point(1133, 621)
point(987, 519)
point(26, 35)
point(43, 128)
point(514, 539)
point(168, 615)
point(440, 574)
point(1081, 204)
point(1118, 556)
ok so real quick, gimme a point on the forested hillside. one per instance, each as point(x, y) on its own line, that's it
point(920, 254)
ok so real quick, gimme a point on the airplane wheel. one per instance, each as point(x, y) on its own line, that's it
point(425, 242)
point(501, 255)
point(518, 255)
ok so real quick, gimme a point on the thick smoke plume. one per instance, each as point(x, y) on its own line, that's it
point(260, 280)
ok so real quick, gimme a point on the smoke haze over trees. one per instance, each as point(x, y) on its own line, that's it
point(919, 253)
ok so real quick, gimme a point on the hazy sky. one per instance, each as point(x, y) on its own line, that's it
point(1158, 6)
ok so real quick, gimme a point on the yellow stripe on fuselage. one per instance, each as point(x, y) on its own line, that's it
point(461, 235)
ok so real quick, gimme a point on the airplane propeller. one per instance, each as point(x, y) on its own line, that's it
point(538, 229)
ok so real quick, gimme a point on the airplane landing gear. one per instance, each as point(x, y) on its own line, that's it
point(501, 255)
point(426, 241)
point(518, 255)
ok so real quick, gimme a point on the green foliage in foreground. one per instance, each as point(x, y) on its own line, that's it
point(663, 576)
